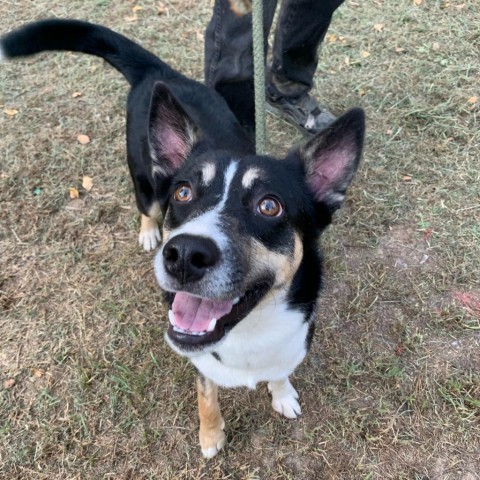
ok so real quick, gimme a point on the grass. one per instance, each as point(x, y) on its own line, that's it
point(391, 387)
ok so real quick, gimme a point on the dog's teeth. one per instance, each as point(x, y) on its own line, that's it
point(236, 300)
point(176, 329)
point(171, 318)
point(211, 325)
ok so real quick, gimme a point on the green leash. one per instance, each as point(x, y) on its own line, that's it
point(259, 77)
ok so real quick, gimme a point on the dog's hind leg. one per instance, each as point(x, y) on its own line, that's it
point(149, 235)
point(212, 436)
point(284, 398)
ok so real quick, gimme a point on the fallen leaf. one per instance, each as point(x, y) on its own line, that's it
point(378, 27)
point(73, 192)
point(332, 38)
point(346, 61)
point(417, 2)
point(362, 92)
point(161, 9)
point(199, 36)
point(83, 139)
point(472, 100)
point(469, 301)
point(133, 18)
point(435, 46)
point(389, 131)
point(460, 7)
point(11, 111)
point(137, 8)
point(36, 372)
point(399, 350)
point(427, 234)
point(87, 183)
point(399, 49)
point(365, 54)
point(406, 178)
point(8, 383)
point(76, 94)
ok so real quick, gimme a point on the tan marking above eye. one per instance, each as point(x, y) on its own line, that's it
point(183, 193)
point(269, 207)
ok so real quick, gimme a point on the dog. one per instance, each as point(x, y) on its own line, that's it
point(239, 261)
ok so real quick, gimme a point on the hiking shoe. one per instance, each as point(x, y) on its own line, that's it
point(304, 112)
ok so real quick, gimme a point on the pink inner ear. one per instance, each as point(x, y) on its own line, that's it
point(173, 145)
point(329, 171)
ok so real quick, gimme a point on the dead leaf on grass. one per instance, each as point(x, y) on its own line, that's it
point(133, 18)
point(407, 178)
point(365, 54)
point(83, 139)
point(87, 183)
point(472, 99)
point(76, 94)
point(417, 2)
point(137, 8)
point(332, 38)
point(73, 192)
point(11, 112)
point(36, 372)
point(399, 50)
point(8, 383)
point(161, 9)
point(378, 27)
point(469, 301)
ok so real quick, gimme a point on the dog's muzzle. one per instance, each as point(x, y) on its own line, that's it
point(202, 310)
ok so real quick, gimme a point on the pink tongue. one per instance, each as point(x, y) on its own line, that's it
point(194, 314)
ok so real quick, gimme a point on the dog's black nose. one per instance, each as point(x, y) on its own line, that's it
point(188, 257)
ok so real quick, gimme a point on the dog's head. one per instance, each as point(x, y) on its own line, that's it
point(235, 225)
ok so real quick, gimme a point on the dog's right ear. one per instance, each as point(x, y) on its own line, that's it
point(172, 134)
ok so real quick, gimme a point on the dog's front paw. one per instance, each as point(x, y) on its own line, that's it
point(149, 238)
point(212, 441)
point(285, 399)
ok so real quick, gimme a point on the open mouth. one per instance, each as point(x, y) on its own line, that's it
point(198, 322)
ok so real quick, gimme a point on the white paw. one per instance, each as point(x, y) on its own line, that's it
point(150, 238)
point(285, 399)
point(212, 445)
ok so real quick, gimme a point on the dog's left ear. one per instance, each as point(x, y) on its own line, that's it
point(331, 158)
point(172, 134)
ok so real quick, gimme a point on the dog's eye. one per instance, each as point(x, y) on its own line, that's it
point(269, 207)
point(183, 193)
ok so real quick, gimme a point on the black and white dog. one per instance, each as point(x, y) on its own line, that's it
point(239, 258)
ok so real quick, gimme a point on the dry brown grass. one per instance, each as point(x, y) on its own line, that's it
point(391, 388)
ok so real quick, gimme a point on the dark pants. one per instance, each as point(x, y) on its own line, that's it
point(302, 25)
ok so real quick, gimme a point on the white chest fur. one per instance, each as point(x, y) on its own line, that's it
point(266, 345)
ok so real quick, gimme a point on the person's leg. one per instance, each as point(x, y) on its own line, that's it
point(301, 28)
point(229, 57)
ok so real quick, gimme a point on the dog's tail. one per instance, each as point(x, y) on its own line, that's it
point(126, 56)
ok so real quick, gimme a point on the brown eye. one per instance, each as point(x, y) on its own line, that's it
point(183, 193)
point(270, 207)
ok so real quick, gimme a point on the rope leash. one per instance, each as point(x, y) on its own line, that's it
point(259, 77)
